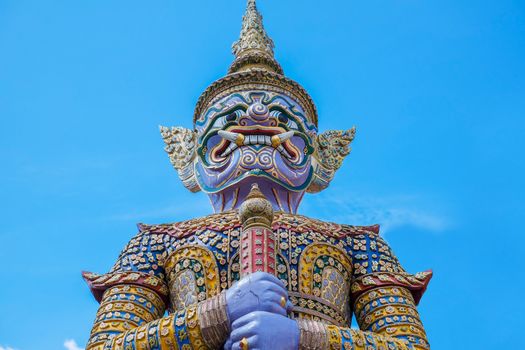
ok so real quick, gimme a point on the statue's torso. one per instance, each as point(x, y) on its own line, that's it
point(315, 260)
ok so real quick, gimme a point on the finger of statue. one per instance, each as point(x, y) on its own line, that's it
point(259, 293)
point(245, 332)
point(275, 303)
point(275, 308)
point(241, 322)
point(274, 295)
point(263, 276)
point(262, 286)
point(237, 346)
point(228, 344)
point(267, 291)
point(244, 344)
point(289, 306)
point(247, 343)
point(268, 286)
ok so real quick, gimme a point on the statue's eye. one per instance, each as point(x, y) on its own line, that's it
point(228, 118)
point(284, 118)
point(231, 117)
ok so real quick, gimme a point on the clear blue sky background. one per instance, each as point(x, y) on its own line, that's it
point(436, 89)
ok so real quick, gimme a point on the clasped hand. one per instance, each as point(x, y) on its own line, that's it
point(258, 315)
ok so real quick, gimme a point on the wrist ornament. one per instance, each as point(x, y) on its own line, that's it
point(312, 335)
point(214, 321)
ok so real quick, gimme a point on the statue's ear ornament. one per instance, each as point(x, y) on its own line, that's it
point(181, 146)
point(331, 148)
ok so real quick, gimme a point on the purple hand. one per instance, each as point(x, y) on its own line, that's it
point(264, 330)
point(257, 292)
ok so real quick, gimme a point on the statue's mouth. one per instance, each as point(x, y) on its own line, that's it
point(237, 137)
point(238, 152)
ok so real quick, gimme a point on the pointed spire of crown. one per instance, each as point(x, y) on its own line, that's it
point(254, 67)
point(253, 36)
point(254, 49)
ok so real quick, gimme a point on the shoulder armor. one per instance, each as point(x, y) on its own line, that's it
point(229, 220)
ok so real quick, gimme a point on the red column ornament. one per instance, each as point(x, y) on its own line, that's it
point(258, 241)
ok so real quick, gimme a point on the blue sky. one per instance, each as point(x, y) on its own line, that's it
point(436, 89)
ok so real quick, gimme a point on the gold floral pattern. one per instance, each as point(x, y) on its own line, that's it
point(326, 267)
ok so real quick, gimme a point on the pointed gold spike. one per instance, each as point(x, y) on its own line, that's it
point(254, 49)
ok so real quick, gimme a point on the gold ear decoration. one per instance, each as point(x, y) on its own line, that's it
point(331, 148)
point(181, 146)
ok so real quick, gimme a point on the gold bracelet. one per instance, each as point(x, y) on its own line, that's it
point(214, 321)
point(312, 335)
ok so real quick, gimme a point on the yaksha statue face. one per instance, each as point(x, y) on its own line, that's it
point(255, 126)
point(255, 136)
point(261, 137)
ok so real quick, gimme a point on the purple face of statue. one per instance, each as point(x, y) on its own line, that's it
point(255, 137)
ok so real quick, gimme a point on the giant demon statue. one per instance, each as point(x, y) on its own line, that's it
point(255, 275)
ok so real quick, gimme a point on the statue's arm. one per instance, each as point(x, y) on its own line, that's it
point(384, 303)
point(206, 325)
point(134, 297)
point(387, 317)
point(130, 318)
point(133, 300)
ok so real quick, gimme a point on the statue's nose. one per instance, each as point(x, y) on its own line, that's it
point(258, 112)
